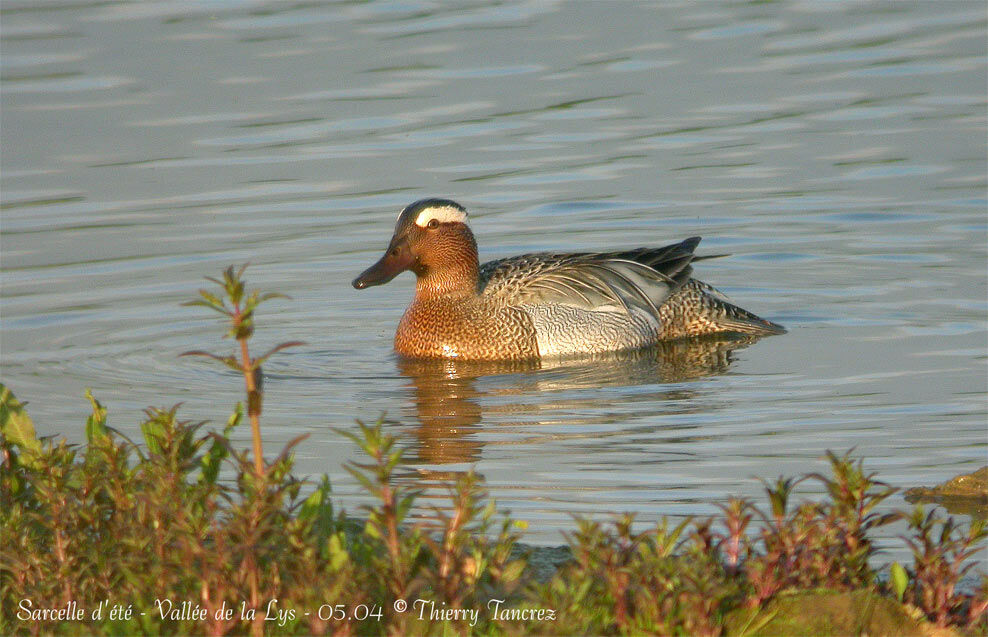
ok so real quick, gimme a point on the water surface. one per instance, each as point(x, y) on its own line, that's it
point(836, 151)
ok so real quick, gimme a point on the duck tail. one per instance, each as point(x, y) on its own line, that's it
point(697, 309)
point(728, 317)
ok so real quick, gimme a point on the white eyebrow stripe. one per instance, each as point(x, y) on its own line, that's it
point(442, 214)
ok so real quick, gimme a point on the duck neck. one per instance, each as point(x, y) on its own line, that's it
point(452, 282)
point(455, 277)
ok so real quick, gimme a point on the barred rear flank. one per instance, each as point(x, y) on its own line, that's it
point(697, 309)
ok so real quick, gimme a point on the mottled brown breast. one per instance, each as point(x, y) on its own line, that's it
point(465, 328)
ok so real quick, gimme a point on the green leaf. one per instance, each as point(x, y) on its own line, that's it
point(318, 503)
point(235, 419)
point(370, 530)
point(220, 449)
point(338, 555)
point(513, 570)
point(155, 428)
point(16, 426)
point(899, 578)
point(211, 463)
point(212, 299)
point(96, 423)
point(405, 504)
point(232, 363)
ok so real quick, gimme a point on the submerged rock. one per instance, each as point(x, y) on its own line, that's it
point(965, 494)
point(827, 612)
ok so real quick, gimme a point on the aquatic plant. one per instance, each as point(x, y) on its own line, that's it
point(241, 318)
point(940, 549)
point(145, 537)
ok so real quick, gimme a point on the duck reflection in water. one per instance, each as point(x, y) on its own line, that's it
point(453, 397)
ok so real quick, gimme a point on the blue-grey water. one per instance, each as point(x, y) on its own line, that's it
point(836, 150)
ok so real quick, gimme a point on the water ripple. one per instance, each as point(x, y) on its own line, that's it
point(836, 152)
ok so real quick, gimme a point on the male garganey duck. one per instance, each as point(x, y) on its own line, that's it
point(545, 304)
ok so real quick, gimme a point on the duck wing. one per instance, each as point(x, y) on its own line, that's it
point(616, 281)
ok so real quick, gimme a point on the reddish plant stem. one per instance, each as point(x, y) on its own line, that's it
point(253, 398)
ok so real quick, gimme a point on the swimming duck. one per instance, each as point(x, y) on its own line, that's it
point(546, 304)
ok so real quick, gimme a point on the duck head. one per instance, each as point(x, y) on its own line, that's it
point(431, 239)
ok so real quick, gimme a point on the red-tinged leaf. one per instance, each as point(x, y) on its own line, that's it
point(218, 308)
point(347, 434)
point(229, 361)
point(223, 442)
point(277, 348)
point(369, 485)
point(272, 295)
point(199, 352)
point(433, 545)
point(289, 446)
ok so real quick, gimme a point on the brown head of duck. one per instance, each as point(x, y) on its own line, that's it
point(448, 318)
point(431, 239)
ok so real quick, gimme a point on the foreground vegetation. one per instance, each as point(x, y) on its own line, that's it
point(116, 537)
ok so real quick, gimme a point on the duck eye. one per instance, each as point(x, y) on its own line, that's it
point(433, 224)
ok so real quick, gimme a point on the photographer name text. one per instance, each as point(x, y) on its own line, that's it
point(166, 609)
